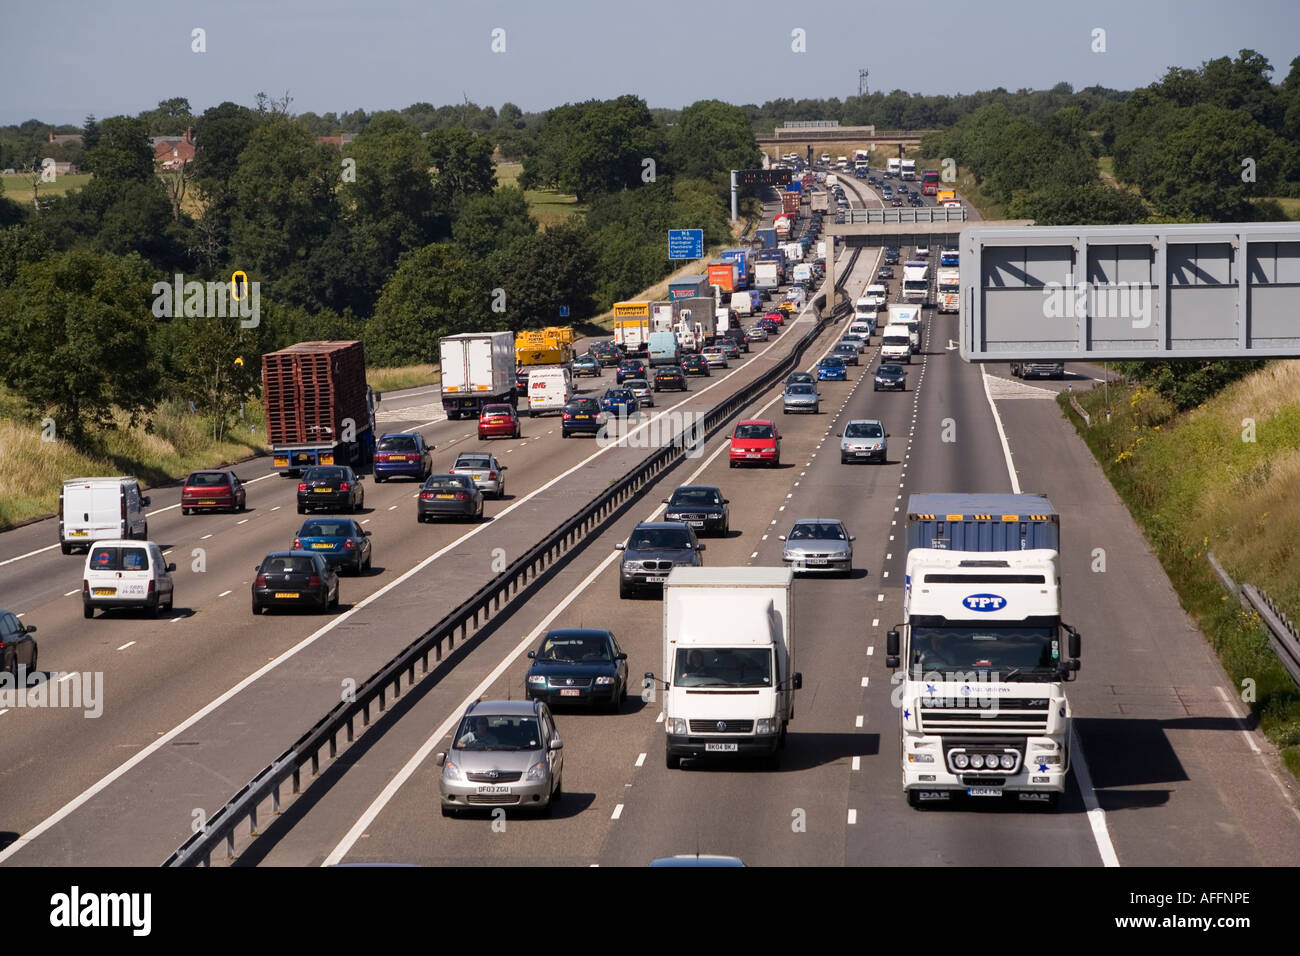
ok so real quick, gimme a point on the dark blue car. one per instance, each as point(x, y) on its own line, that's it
point(578, 665)
point(403, 453)
point(340, 541)
point(832, 369)
point(619, 401)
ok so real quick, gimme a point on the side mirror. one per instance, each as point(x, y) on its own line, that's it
point(780, 537)
point(886, 434)
point(440, 758)
point(664, 500)
point(171, 568)
point(1075, 642)
point(699, 547)
point(726, 501)
point(853, 537)
point(891, 648)
point(620, 547)
point(30, 629)
point(144, 501)
point(532, 655)
point(620, 656)
point(555, 744)
point(797, 682)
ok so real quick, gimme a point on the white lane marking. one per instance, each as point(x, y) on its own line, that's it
point(67, 676)
point(1250, 738)
point(126, 645)
point(640, 760)
point(864, 682)
point(764, 537)
point(28, 554)
point(659, 719)
point(181, 618)
point(277, 507)
point(392, 507)
point(70, 593)
point(853, 817)
point(367, 521)
point(857, 763)
point(245, 521)
point(754, 555)
point(20, 615)
point(618, 812)
point(871, 650)
point(224, 593)
point(858, 722)
point(888, 555)
point(205, 537)
point(880, 597)
point(1002, 435)
point(884, 574)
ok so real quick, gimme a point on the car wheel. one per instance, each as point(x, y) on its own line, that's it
point(302, 510)
point(156, 610)
point(844, 460)
point(517, 435)
point(548, 808)
point(366, 566)
point(184, 511)
point(731, 464)
point(623, 590)
point(256, 609)
point(335, 603)
point(563, 433)
point(361, 503)
point(65, 548)
point(672, 761)
point(243, 504)
point(87, 611)
point(379, 479)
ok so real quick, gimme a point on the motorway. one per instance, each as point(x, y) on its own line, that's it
point(196, 703)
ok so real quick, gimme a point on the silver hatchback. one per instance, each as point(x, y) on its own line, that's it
point(645, 397)
point(487, 472)
point(801, 397)
point(505, 753)
point(864, 439)
point(819, 545)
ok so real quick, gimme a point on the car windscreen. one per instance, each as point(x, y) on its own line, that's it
point(496, 409)
point(473, 461)
point(618, 395)
point(208, 479)
point(754, 431)
point(658, 539)
point(575, 649)
point(891, 370)
point(109, 558)
point(897, 340)
point(288, 564)
point(864, 430)
point(497, 732)
point(398, 443)
point(801, 389)
point(635, 383)
point(723, 667)
point(326, 529)
point(816, 531)
point(832, 361)
point(695, 496)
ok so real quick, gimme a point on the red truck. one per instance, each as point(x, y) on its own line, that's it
point(723, 275)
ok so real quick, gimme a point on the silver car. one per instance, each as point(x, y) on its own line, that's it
point(801, 397)
point(714, 355)
point(645, 396)
point(856, 340)
point(505, 753)
point(487, 472)
point(819, 545)
point(864, 439)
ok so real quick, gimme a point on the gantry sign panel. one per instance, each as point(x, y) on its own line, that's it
point(1214, 290)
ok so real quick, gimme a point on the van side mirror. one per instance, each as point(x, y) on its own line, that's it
point(30, 629)
point(797, 682)
point(171, 568)
point(144, 501)
point(440, 758)
point(532, 655)
point(699, 547)
point(891, 648)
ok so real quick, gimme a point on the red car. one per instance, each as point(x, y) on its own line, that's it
point(777, 316)
point(755, 441)
point(213, 490)
point(498, 421)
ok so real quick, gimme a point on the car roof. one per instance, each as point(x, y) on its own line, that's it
point(697, 488)
point(864, 421)
point(755, 421)
point(503, 708)
point(659, 525)
point(839, 521)
point(212, 471)
point(576, 632)
point(118, 542)
point(293, 554)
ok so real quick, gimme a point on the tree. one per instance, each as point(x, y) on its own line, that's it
point(172, 117)
point(543, 272)
point(463, 162)
point(123, 152)
point(76, 339)
point(1087, 204)
point(486, 223)
point(435, 291)
point(90, 132)
point(711, 138)
point(594, 147)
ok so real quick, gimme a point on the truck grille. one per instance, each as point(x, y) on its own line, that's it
point(728, 726)
point(1015, 715)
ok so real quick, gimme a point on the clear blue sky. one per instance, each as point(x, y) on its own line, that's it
point(66, 58)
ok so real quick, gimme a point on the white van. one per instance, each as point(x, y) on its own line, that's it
point(864, 329)
point(126, 573)
point(743, 303)
point(876, 294)
point(896, 344)
point(549, 389)
point(95, 508)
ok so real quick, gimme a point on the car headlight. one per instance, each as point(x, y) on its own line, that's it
point(1008, 761)
point(537, 771)
point(631, 565)
point(677, 726)
point(604, 680)
point(788, 556)
point(763, 725)
point(451, 771)
point(537, 679)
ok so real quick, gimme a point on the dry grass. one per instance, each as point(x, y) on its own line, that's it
point(659, 291)
point(407, 376)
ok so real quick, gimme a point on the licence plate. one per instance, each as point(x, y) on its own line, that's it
point(720, 748)
point(79, 534)
point(323, 491)
point(582, 416)
point(322, 547)
point(104, 592)
point(286, 594)
point(570, 692)
point(656, 578)
point(493, 788)
point(753, 454)
point(208, 501)
point(984, 792)
point(696, 524)
point(444, 496)
point(814, 561)
point(862, 454)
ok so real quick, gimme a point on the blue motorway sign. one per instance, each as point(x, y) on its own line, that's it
point(685, 243)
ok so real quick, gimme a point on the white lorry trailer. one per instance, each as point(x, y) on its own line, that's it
point(728, 677)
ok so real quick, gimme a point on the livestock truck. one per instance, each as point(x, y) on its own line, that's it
point(319, 409)
point(984, 653)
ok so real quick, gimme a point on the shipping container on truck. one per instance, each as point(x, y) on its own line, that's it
point(632, 326)
point(478, 368)
point(319, 409)
point(767, 275)
point(723, 275)
point(744, 267)
point(982, 522)
point(790, 203)
point(688, 287)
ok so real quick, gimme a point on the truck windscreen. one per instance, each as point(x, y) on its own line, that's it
point(1011, 652)
point(723, 667)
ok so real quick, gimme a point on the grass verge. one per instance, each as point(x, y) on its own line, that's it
point(407, 376)
point(1221, 478)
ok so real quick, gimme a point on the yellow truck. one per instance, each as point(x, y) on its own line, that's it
point(943, 194)
point(551, 346)
point(632, 326)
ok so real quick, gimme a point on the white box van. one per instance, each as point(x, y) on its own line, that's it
point(743, 303)
point(896, 344)
point(95, 508)
point(125, 573)
point(549, 389)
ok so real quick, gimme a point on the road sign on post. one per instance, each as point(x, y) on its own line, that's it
point(762, 177)
point(685, 243)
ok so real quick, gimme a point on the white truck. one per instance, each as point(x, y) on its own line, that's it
point(949, 291)
point(729, 675)
point(982, 705)
point(896, 344)
point(767, 275)
point(875, 295)
point(478, 368)
point(891, 167)
point(909, 316)
point(907, 169)
point(916, 281)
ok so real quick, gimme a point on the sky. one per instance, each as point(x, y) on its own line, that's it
point(63, 59)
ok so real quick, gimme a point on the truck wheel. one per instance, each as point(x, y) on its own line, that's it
point(914, 798)
point(453, 416)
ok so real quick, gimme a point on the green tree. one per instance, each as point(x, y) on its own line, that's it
point(463, 161)
point(171, 118)
point(486, 223)
point(90, 132)
point(594, 147)
point(76, 339)
point(711, 138)
point(543, 272)
point(435, 291)
point(123, 152)
point(1089, 204)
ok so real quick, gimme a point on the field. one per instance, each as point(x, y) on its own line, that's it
point(546, 205)
point(18, 187)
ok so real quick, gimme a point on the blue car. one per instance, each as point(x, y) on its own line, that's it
point(619, 401)
point(403, 453)
point(832, 369)
point(340, 541)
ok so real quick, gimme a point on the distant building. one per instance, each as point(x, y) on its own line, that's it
point(62, 139)
point(173, 152)
point(338, 142)
point(66, 169)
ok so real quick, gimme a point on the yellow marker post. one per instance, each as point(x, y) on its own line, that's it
point(233, 290)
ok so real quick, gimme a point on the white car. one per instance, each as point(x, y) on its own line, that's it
point(645, 395)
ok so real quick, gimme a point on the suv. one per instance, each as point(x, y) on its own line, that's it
point(651, 551)
point(505, 753)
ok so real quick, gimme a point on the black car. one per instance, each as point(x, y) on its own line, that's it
point(17, 646)
point(631, 368)
point(581, 415)
point(455, 495)
point(695, 365)
point(700, 507)
point(607, 353)
point(521, 381)
point(890, 376)
point(669, 376)
point(847, 351)
point(650, 553)
point(916, 200)
point(886, 272)
point(330, 488)
point(587, 365)
point(737, 335)
point(295, 579)
point(578, 665)
point(729, 348)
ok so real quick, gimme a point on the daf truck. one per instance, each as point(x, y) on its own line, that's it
point(916, 281)
point(632, 326)
point(983, 651)
point(949, 291)
point(728, 676)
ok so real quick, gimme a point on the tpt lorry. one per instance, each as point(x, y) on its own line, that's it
point(728, 676)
